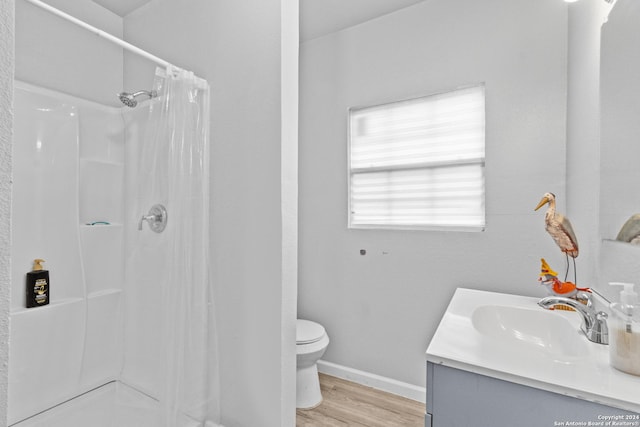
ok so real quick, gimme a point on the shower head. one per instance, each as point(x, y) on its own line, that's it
point(129, 99)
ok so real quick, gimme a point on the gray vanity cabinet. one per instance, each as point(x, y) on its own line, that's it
point(457, 398)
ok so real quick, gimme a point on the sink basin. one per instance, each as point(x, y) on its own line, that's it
point(537, 328)
point(510, 338)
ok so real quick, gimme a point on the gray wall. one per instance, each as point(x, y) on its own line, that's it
point(381, 309)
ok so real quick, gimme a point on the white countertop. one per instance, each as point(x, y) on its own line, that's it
point(581, 369)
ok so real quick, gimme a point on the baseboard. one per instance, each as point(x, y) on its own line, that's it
point(379, 382)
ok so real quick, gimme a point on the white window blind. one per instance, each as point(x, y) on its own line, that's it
point(419, 163)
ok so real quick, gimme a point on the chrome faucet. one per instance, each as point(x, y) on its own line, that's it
point(594, 324)
point(157, 218)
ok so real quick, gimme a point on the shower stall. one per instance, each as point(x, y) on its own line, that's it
point(93, 356)
point(116, 201)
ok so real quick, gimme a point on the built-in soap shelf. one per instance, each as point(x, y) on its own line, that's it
point(98, 225)
point(53, 304)
point(108, 163)
point(59, 303)
point(104, 293)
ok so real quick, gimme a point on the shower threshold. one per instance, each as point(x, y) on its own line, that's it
point(114, 404)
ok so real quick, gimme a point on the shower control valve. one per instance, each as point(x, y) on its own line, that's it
point(157, 219)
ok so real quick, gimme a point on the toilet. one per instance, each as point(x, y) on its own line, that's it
point(311, 342)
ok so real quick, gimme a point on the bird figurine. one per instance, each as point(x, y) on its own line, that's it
point(630, 231)
point(549, 279)
point(560, 230)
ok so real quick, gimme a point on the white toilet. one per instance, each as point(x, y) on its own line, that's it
point(311, 342)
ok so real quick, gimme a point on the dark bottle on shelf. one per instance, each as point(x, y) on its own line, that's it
point(37, 285)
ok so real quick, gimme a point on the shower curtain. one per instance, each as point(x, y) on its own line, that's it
point(173, 170)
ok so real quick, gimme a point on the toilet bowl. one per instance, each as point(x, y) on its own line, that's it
point(311, 342)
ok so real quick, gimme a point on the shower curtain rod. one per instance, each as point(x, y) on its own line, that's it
point(103, 34)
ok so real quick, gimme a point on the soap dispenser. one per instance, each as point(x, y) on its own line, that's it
point(624, 331)
point(37, 285)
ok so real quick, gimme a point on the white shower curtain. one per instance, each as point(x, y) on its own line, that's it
point(173, 170)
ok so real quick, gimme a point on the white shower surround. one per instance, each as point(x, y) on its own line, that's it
point(70, 164)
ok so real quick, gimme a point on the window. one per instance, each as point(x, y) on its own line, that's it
point(419, 164)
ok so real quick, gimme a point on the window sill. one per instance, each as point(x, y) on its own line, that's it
point(450, 228)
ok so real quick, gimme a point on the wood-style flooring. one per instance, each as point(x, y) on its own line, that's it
point(349, 404)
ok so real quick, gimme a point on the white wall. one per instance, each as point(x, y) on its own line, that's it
point(7, 53)
point(56, 54)
point(237, 46)
point(583, 130)
point(289, 93)
point(381, 309)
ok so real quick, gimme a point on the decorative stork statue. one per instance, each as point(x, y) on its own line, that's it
point(560, 230)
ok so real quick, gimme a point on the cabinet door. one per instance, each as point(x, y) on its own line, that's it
point(458, 398)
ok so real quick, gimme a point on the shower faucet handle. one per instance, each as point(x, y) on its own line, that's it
point(157, 219)
point(145, 218)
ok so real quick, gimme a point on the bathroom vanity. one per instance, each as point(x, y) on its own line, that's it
point(501, 360)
